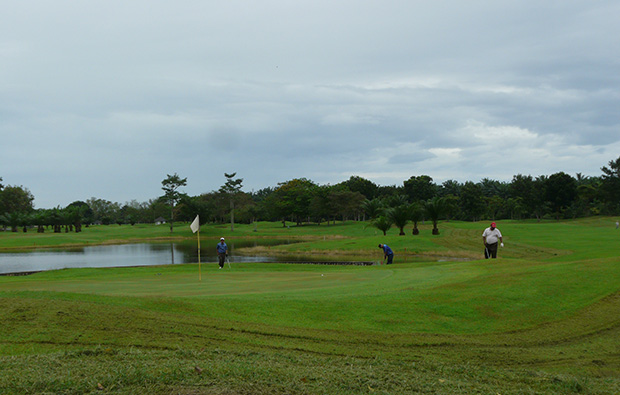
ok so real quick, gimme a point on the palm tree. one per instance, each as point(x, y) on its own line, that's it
point(73, 217)
point(66, 220)
point(435, 207)
point(397, 200)
point(373, 208)
point(400, 217)
point(55, 219)
point(383, 223)
point(416, 214)
point(25, 221)
point(40, 220)
point(14, 219)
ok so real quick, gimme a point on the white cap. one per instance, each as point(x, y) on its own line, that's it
point(221, 238)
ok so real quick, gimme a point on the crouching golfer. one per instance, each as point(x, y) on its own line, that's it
point(387, 253)
point(222, 251)
point(490, 237)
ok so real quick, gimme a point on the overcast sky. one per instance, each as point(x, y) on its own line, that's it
point(105, 98)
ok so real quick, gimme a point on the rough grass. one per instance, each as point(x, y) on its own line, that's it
point(544, 318)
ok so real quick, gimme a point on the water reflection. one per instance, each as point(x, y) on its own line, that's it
point(113, 256)
point(144, 254)
point(147, 254)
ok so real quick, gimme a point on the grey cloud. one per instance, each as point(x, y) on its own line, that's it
point(113, 96)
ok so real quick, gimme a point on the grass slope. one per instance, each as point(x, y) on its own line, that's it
point(544, 318)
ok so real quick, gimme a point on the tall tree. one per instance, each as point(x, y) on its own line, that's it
point(345, 203)
point(16, 199)
point(292, 200)
point(541, 206)
point(363, 186)
point(385, 191)
point(522, 188)
point(492, 188)
point(610, 186)
point(450, 187)
point(231, 188)
point(452, 206)
point(586, 194)
point(103, 210)
point(81, 213)
point(420, 188)
point(320, 206)
point(472, 201)
point(171, 184)
point(560, 192)
point(494, 205)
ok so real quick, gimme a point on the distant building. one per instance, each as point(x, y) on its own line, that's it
point(160, 220)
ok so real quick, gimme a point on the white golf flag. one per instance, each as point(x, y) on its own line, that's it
point(195, 225)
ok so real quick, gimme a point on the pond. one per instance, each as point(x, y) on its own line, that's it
point(143, 254)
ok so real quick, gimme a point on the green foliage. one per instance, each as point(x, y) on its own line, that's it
point(345, 203)
point(420, 188)
point(232, 186)
point(231, 189)
point(291, 200)
point(472, 201)
point(383, 222)
point(610, 186)
point(435, 208)
point(558, 196)
point(400, 217)
point(416, 212)
point(14, 219)
point(170, 185)
point(365, 187)
point(560, 192)
point(15, 199)
point(373, 208)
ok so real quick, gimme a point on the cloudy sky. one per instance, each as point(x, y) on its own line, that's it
point(105, 98)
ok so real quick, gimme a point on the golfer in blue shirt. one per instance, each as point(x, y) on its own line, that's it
point(222, 251)
point(387, 253)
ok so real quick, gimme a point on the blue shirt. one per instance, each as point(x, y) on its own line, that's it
point(221, 248)
point(387, 250)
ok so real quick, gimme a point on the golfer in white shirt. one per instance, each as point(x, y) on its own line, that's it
point(490, 237)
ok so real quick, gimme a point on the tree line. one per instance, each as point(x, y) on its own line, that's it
point(301, 201)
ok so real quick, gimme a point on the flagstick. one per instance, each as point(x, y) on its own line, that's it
point(199, 272)
point(195, 227)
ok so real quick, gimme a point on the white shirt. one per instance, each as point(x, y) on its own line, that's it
point(492, 236)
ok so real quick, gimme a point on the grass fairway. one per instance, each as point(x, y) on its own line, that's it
point(543, 318)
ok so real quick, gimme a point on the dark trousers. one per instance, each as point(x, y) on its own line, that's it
point(222, 259)
point(491, 251)
point(390, 257)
